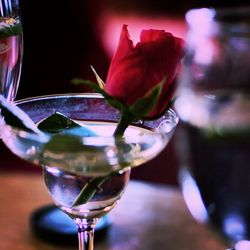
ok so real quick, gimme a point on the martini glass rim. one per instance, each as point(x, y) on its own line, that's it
point(57, 96)
point(170, 116)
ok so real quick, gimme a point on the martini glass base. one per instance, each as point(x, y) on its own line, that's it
point(50, 224)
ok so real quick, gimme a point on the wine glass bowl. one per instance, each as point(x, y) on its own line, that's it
point(11, 48)
point(92, 161)
point(213, 105)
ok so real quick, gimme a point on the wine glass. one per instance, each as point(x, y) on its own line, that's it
point(11, 48)
point(213, 105)
point(86, 173)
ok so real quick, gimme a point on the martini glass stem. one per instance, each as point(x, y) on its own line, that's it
point(86, 233)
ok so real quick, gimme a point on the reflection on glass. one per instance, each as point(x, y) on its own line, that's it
point(11, 48)
point(214, 104)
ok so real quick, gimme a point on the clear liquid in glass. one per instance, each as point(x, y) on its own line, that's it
point(214, 150)
point(64, 187)
point(11, 50)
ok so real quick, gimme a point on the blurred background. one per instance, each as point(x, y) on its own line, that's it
point(63, 38)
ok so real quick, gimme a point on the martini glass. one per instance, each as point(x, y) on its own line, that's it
point(213, 105)
point(87, 175)
point(11, 48)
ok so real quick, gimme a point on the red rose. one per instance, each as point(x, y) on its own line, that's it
point(136, 70)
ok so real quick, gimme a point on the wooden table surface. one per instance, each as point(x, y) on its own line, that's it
point(148, 217)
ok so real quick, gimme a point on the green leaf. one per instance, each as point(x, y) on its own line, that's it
point(98, 78)
point(56, 123)
point(145, 105)
point(59, 123)
point(89, 190)
point(109, 99)
point(60, 143)
point(91, 85)
point(16, 117)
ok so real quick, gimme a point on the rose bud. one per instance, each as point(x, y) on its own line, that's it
point(136, 71)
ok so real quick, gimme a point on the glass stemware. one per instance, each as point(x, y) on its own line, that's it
point(213, 105)
point(11, 48)
point(87, 174)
